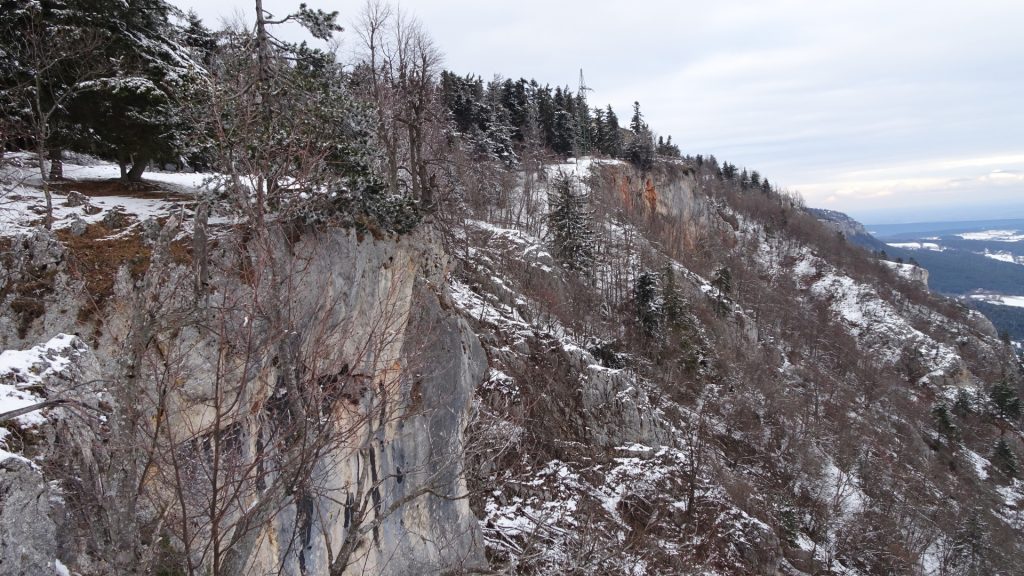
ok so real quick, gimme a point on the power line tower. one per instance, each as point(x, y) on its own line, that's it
point(583, 143)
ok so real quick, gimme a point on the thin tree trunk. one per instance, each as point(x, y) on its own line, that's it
point(41, 154)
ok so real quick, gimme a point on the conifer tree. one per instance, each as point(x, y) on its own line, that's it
point(944, 423)
point(962, 405)
point(1005, 402)
point(612, 142)
point(1004, 459)
point(672, 303)
point(570, 224)
point(648, 309)
point(640, 150)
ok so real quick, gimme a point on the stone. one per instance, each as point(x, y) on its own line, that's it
point(74, 199)
point(77, 226)
point(117, 219)
point(27, 533)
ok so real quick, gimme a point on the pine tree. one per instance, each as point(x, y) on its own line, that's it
point(673, 306)
point(1004, 459)
point(944, 423)
point(612, 142)
point(133, 113)
point(723, 280)
point(667, 148)
point(1005, 402)
point(963, 406)
point(728, 171)
point(570, 224)
point(640, 149)
point(636, 123)
point(645, 299)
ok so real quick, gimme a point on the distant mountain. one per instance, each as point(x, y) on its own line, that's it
point(852, 230)
point(962, 258)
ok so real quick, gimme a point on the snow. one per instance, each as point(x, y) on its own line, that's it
point(1003, 256)
point(5, 455)
point(907, 271)
point(1013, 501)
point(22, 202)
point(1014, 301)
point(23, 370)
point(579, 167)
point(994, 235)
point(62, 570)
point(980, 464)
point(876, 323)
point(917, 246)
point(842, 490)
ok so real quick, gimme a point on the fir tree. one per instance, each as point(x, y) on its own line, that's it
point(723, 280)
point(636, 123)
point(1005, 403)
point(1004, 459)
point(728, 171)
point(944, 423)
point(963, 406)
point(570, 224)
point(611, 144)
point(667, 148)
point(134, 112)
point(672, 304)
point(645, 299)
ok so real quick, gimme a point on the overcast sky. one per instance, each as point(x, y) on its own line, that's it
point(891, 111)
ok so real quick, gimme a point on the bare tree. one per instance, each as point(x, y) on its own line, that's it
point(400, 63)
point(58, 62)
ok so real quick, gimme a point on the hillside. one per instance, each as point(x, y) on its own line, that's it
point(977, 261)
point(698, 435)
point(264, 311)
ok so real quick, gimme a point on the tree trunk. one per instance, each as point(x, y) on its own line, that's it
point(41, 156)
point(56, 163)
point(138, 167)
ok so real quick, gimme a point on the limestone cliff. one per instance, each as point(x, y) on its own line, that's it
point(318, 374)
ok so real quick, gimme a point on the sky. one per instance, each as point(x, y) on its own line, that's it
point(891, 111)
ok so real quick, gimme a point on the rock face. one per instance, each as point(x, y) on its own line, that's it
point(355, 323)
point(909, 271)
point(27, 530)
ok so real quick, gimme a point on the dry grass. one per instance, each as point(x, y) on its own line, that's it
point(114, 187)
point(95, 258)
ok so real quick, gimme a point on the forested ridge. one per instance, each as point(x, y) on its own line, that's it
point(267, 309)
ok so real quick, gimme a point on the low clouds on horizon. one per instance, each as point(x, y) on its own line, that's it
point(881, 109)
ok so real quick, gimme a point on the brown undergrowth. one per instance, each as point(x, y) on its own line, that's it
point(96, 256)
point(115, 187)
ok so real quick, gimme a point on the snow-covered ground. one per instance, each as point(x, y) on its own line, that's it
point(907, 271)
point(22, 371)
point(876, 323)
point(994, 235)
point(22, 203)
point(1015, 301)
point(1004, 256)
point(917, 246)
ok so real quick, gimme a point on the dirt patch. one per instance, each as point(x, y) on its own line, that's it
point(95, 258)
point(114, 187)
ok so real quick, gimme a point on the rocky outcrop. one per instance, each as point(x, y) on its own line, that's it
point(28, 541)
point(909, 272)
point(354, 322)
